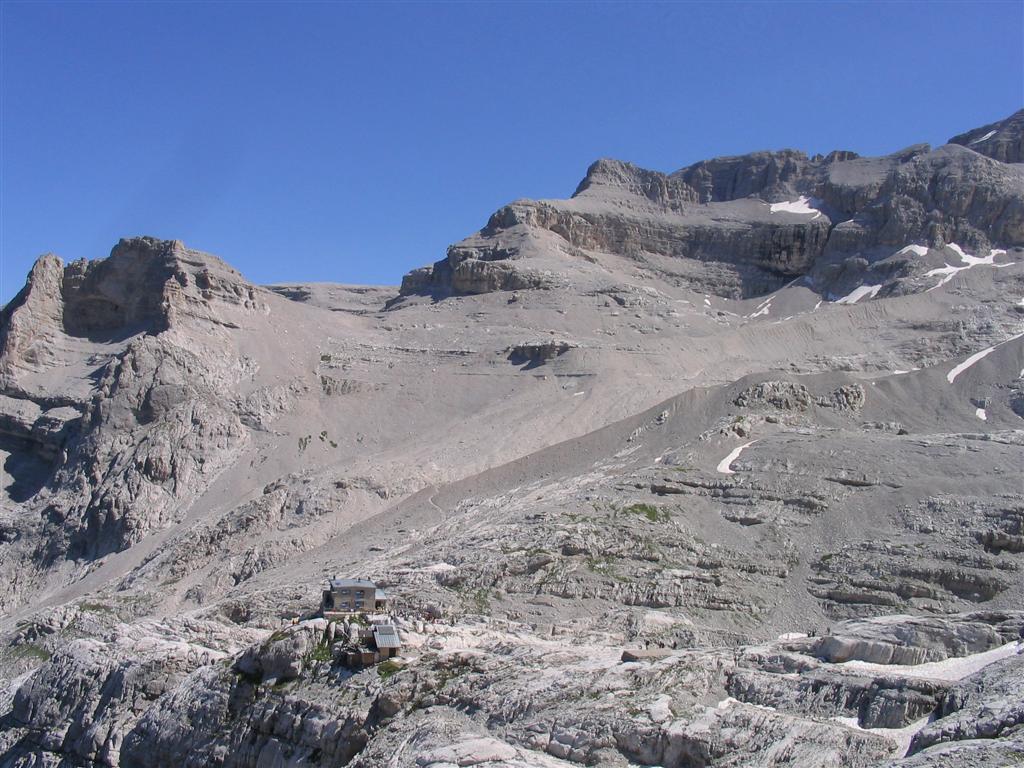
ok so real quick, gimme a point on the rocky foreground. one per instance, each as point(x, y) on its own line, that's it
point(720, 467)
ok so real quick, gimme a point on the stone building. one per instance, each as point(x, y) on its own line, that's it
point(345, 596)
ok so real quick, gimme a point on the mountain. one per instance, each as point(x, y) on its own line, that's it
point(756, 423)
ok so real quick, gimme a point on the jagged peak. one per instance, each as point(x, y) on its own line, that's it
point(610, 179)
point(609, 172)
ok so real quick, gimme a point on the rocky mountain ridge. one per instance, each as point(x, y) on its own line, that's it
point(760, 219)
point(712, 468)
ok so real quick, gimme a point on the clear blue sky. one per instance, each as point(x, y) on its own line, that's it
point(351, 142)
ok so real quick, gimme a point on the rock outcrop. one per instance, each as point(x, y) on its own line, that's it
point(506, 701)
point(142, 287)
point(119, 417)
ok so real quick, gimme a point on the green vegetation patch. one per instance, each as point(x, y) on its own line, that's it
point(95, 608)
point(651, 512)
point(481, 600)
point(321, 653)
point(31, 651)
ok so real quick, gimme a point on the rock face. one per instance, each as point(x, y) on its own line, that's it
point(1002, 141)
point(911, 640)
point(626, 513)
point(121, 445)
point(762, 218)
point(467, 271)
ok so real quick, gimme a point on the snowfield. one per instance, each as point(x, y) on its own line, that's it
point(919, 250)
point(724, 464)
point(948, 272)
point(806, 206)
point(859, 293)
point(948, 669)
point(956, 371)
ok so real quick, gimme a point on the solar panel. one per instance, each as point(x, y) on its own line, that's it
point(386, 636)
point(337, 583)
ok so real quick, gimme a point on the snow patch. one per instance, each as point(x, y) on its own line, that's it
point(951, 376)
point(802, 205)
point(956, 371)
point(469, 752)
point(762, 309)
point(902, 736)
point(949, 271)
point(980, 413)
point(730, 701)
point(947, 669)
point(920, 250)
point(439, 568)
point(859, 293)
point(986, 137)
point(724, 464)
point(787, 636)
point(659, 710)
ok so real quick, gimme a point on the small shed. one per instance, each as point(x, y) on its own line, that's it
point(385, 637)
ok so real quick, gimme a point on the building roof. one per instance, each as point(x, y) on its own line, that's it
point(386, 636)
point(380, 594)
point(337, 583)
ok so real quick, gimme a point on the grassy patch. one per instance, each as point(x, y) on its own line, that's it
point(387, 668)
point(605, 565)
point(481, 600)
point(30, 651)
point(95, 608)
point(321, 653)
point(651, 512)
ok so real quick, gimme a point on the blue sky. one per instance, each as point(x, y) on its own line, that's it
point(352, 142)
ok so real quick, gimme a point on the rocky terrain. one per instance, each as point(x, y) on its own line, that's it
point(719, 467)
